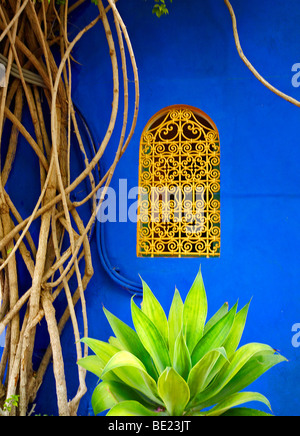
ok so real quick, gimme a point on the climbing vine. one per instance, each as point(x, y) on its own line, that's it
point(30, 30)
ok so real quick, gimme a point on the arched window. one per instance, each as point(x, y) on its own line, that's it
point(179, 180)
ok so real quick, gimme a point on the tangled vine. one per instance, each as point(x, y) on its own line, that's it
point(29, 31)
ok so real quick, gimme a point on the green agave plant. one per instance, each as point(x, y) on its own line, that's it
point(180, 366)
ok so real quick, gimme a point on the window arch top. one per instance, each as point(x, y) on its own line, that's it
point(179, 179)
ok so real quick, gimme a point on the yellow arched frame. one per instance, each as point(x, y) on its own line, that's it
point(179, 180)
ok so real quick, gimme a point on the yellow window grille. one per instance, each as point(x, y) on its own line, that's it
point(179, 180)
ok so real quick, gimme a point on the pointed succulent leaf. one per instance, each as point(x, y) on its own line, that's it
point(174, 391)
point(199, 376)
point(215, 337)
point(195, 313)
point(256, 366)
point(92, 364)
point(235, 335)
point(103, 398)
point(130, 341)
point(112, 340)
point(195, 413)
point(108, 394)
point(236, 400)
point(131, 371)
point(216, 317)
point(182, 360)
point(125, 334)
point(235, 376)
point(175, 321)
point(243, 411)
point(131, 408)
point(96, 363)
point(240, 358)
point(102, 349)
point(151, 338)
point(152, 308)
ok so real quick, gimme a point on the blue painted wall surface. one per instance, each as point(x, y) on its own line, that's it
point(189, 57)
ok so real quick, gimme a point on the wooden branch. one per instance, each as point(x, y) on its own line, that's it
point(49, 266)
point(250, 66)
point(58, 364)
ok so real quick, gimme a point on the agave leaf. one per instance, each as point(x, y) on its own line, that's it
point(199, 375)
point(95, 365)
point(195, 413)
point(103, 353)
point(174, 392)
point(215, 337)
point(103, 350)
point(236, 333)
point(103, 398)
point(226, 383)
point(152, 308)
point(131, 408)
point(151, 338)
point(92, 364)
point(131, 371)
point(123, 358)
point(182, 360)
point(239, 359)
point(243, 411)
point(217, 316)
point(130, 341)
point(236, 400)
point(256, 366)
point(115, 343)
point(195, 313)
point(233, 339)
point(175, 321)
point(125, 335)
point(107, 394)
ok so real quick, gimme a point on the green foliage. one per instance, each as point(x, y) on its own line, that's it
point(13, 401)
point(160, 8)
point(180, 365)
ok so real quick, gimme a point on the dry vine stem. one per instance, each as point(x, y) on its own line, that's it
point(248, 63)
point(29, 30)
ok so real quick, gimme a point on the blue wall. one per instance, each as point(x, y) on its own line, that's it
point(189, 57)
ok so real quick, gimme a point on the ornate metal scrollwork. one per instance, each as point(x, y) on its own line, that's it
point(179, 200)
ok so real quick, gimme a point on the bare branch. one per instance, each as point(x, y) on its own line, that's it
point(250, 66)
point(29, 30)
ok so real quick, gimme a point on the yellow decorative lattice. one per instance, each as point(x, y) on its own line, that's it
point(179, 199)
